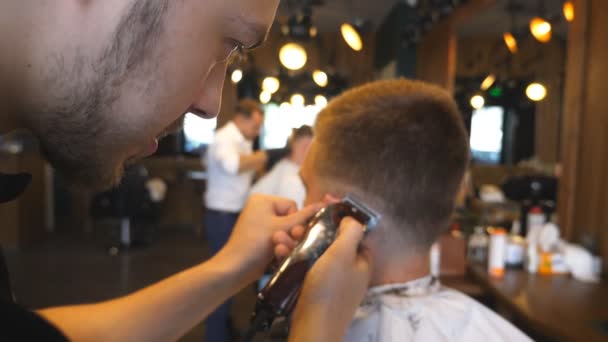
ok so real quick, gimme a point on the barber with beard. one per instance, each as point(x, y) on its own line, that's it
point(96, 82)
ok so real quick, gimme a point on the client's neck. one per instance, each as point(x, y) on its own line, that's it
point(399, 268)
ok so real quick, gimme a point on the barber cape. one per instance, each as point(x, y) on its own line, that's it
point(424, 310)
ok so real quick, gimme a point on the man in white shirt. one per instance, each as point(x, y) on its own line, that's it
point(231, 165)
point(400, 146)
point(284, 179)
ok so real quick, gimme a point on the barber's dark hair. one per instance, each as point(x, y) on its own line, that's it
point(402, 144)
point(303, 131)
point(246, 108)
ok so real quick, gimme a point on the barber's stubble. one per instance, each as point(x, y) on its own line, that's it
point(81, 131)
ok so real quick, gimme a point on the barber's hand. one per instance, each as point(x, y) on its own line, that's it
point(285, 241)
point(333, 289)
point(251, 245)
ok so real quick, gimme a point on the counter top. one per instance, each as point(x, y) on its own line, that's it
point(554, 305)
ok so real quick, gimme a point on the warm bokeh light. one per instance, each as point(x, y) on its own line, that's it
point(237, 76)
point(313, 31)
point(293, 56)
point(351, 37)
point(297, 100)
point(320, 78)
point(265, 96)
point(536, 92)
point(540, 29)
point(271, 84)
point(285, 105)
point(477, 101)
point(568, 9)
point(488, 82)
point(321, 101)
point(510, 42)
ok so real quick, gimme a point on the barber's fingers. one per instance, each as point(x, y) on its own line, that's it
point(281, 252)
point(290, 230)
point(284, 206)
point(346, 251)
point(283, 238)
point(347, 242)
point(331, 199)
point(298, 218)
point(285, 242)
point(297, 232)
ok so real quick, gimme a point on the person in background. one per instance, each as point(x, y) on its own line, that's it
point(284, 180)
point(231, 165)
point(401, 147)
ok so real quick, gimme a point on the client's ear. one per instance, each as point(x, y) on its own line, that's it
point(331, 199)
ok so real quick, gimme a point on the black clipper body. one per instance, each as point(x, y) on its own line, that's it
point(279, 296)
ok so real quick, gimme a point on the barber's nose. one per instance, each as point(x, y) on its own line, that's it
point(210, 100)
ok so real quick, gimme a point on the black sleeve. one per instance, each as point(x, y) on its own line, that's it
point(5, 283)
point(18, 324)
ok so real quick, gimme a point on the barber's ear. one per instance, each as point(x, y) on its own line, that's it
point(331, 199)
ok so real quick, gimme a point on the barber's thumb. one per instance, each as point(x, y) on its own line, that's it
point(349, 237)
point(286, 222)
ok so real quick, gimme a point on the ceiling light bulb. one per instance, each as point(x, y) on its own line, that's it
point(265, 97)
point(321, 101)
point(510, 41)
point(293, 56)
point(320, 78)
point(568, 11)
point(488, 82)
point(237, 76)
point(351, 37)
point(536, 92)
point(477, 101)
point(540, 29)
point(271, 84)
point(297, 100)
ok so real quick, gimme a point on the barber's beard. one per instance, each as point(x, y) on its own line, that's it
point(80, 131)
point(77, 141)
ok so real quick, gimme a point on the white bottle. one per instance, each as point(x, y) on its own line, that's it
point(498, 248)
point(536, 221)
point(532, 258)
point(435, 260)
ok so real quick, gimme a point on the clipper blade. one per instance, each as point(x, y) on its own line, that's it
point(373, 217)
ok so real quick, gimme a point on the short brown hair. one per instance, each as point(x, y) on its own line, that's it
point(246, 108)
point(402, 145)
point(303, 131)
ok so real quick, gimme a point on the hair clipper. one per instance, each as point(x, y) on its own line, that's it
point(279, 296)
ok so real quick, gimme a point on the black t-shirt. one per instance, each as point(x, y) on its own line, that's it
point(17, 323)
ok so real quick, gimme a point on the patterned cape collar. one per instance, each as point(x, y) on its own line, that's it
point(415, 288)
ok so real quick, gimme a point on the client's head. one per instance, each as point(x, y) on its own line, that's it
point(299, 142)
point(401, 147)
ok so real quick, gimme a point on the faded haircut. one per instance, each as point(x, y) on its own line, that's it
point(400, 144)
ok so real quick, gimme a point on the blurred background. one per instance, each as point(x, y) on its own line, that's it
point(528, 77)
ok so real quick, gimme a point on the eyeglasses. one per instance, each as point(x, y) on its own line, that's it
point(232, 51)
